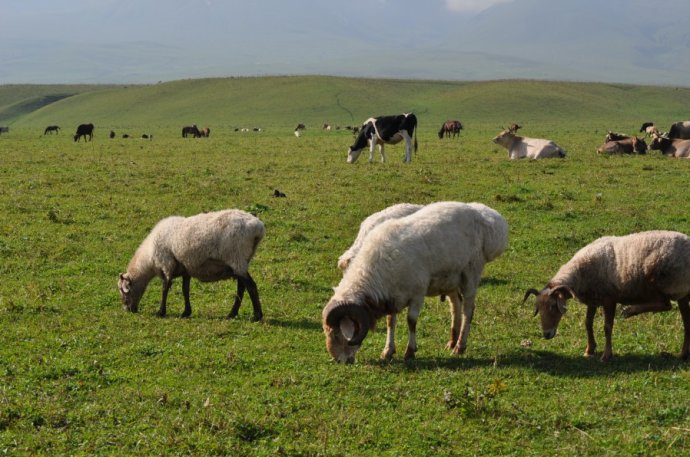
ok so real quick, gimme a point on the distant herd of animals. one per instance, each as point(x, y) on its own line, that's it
point(383, 130)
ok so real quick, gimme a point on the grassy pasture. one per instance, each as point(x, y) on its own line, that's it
point(78, 375)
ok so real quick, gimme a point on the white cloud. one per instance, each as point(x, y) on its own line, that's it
point(472, 6)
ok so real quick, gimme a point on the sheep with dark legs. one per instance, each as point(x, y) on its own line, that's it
point(209, 246)
point(644, 271)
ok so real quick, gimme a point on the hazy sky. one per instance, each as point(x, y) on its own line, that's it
point(133, 41)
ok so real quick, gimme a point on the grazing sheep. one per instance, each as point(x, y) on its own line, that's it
point(440, 249)
point(643, 271)
point(209, 246)
point(368, 224)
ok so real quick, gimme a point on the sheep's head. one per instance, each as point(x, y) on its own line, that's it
point(346, 325)
point(550, 305)
point(129, 293)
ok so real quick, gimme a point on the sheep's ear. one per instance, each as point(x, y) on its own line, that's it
point(125, 283)
point(562, 294)
point(347, 328)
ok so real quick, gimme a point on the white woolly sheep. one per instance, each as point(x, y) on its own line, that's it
point(644, 271)
point(368, 224)
point(209, 246)
point(440, 249)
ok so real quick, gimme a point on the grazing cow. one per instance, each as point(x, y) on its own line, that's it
point(385, 130)
point(450, 128)
point(533, 148)
point(205, 132)
point(257, 129)
point(84, 130)
point(326, 127)
point(193, 130)
point(629, 145)
point(680, 130)
point(51, 128)
point(649, 129)
point(112, 134)
point(672, 147)
point(147, 136)
point(125, 135)
point(300, 126)
point(4, 130)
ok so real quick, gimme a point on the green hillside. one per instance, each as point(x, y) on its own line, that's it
point(285, 101)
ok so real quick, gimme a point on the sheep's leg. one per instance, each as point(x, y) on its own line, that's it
point(467, 313)
point(609, 315)
point(389, 349)
point(469, 290)
point(238, 299)
point(186, 279)
point(685, 314)
point(254, 296)
point(633, 310)
point(412, 315)
point(455, 319)
point(167, 282)
point(589, 325)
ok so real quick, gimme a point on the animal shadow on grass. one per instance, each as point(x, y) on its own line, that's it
point(552, 363)
point(302, 324)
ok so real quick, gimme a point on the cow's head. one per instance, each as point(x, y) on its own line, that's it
point(345, 324)
point(551, 306)
point(659, 142)
point(639, 145)
point(504, 138)
point(360, 143)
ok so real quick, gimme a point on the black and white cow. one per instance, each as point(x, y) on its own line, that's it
point(385, 130)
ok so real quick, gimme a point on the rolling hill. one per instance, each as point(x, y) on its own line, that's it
point(285, 101)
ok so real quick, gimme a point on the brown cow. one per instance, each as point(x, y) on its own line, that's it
point(450, 128)
point(672, 147)
point(627, 145)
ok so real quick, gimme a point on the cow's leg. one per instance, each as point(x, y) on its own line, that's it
point(167, 282)
point(408, 146)
point(609, 315)
point(685, 314)
point(389, 348)
point(383, 157)
point(455, 319)
point(589, 325)
point(412, 315)
point(663, 304)
point(372, 148)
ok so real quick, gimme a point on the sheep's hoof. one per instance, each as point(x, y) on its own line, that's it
point(409, 353)
point(257, 317)
point(160, 313)
point(232, 315)
point(606, 357)
point(450, 345)
point(387, 354)
point(185, 314)
point(459, 350)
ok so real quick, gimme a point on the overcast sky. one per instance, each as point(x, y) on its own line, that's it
point(144, 41)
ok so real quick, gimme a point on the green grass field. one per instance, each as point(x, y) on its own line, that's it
point(80, 376)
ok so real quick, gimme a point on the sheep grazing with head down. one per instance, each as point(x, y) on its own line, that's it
point(644, 271)
point(439, 249)
point(368, 224)
point(209, 246)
